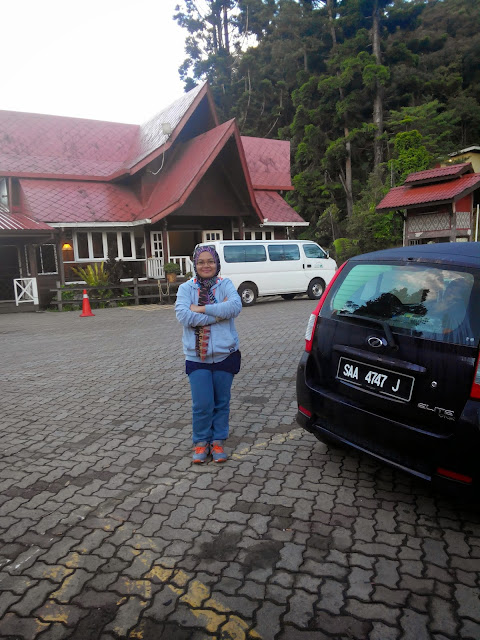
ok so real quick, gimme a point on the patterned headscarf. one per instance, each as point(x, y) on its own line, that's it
point(205, 296)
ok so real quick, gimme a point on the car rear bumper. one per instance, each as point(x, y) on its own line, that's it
point(417, 451)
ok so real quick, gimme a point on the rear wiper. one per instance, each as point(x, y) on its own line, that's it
point(382, 323)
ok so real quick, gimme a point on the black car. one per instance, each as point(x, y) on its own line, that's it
point(391, 362)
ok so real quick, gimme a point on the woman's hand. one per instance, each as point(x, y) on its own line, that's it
point(196, 309)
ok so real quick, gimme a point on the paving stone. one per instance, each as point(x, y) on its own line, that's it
point(372, 611)
point(33, 598)
point(104, 512)
point(267, 620)
point(343, 626)
point(414, 626)
point(13, 626)
point(67, 614)
point(127, 616)
point(469, 602)
point(7, 598)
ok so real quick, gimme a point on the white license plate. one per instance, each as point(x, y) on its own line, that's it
point(383, 382)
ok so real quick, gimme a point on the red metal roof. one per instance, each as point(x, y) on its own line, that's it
point(439, 173)
point(54, 145)
point(151, 135)
point(275, 209)
point(408, 196)
point(187, 168)
point(70, 201)
point(18, 222)
point(268, 162)
point(75, 148)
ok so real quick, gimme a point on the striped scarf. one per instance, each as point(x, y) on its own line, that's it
point(202, 334)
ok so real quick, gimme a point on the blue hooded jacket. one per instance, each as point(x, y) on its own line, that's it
point(220, 316)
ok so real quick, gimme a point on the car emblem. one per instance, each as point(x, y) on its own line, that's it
point(373, 341)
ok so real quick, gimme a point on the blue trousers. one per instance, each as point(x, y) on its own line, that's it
point(210, 404)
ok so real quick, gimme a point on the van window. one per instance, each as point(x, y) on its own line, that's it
point(418, 300)
point(280, 252)
point(314, 251)
point(244, 253)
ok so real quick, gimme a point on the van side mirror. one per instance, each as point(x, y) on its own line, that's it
point(327, 253)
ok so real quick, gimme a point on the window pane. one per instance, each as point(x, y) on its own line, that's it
point(112, 246)
point(255, 253)
point(258, 235)
point(243, 253)
point(292, 252)
point(82, 244)
point(417, 300)
point(97, 242)
point(312, 251)
point(48, 262)
point(127, 244)
point(248, 235)
point(268, 235)
point(140, 247)
point(280, 252)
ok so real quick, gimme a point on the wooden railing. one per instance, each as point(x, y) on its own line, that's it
point(185, 263)
point(162, 292)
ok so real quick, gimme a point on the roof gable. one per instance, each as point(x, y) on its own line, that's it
point(439, 174)
point(410, 196)
point(188, 166)
point(268, 162)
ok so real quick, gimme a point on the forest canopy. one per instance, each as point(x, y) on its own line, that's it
point(366, 91)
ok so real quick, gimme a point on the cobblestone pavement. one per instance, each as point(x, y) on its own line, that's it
point(107, 531)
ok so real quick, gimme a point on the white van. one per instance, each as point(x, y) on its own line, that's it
point(274, 267)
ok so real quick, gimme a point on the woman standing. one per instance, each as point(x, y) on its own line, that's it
point(206, 307)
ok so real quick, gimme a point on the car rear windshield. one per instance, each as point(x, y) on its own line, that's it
point(420, 300)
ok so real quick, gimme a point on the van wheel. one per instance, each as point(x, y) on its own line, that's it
point(288, 296)
point(248, 294)
point(315, 289)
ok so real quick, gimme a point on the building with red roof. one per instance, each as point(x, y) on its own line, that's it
point(74, 192)
point(438, 205)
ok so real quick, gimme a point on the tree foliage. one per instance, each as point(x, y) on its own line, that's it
point(365, 90)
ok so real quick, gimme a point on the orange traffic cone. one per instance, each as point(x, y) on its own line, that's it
point(86, 310)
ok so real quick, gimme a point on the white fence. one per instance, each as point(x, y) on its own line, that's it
point(155, 268)
point(26, 290)
point(186, 265)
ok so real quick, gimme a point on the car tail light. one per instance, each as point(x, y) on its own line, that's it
point(312, 322)
point(305, 412)
point(475, 390)
point(453, 475)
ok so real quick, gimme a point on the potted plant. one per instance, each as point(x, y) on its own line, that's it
point(172, 269)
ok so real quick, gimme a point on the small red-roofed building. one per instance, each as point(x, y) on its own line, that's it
point(437, 205)
point(75, 192)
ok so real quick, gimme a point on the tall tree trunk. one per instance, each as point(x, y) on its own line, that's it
point(346, 176)
point(225, 28)
point(378, 100)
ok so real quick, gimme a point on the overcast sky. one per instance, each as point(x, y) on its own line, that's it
point(111, 60)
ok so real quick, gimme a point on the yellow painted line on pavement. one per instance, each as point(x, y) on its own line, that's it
point(278, 438)
point(197, 596)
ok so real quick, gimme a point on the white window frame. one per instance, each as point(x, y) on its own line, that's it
point(254, 231)
point(4, 199)
point(40, 270)
point(120, 255)
point(210, 233)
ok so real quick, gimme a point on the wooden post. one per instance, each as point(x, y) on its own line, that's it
point(135, 291)
point(59, 295)
point(59, 249)
point(453, 230)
